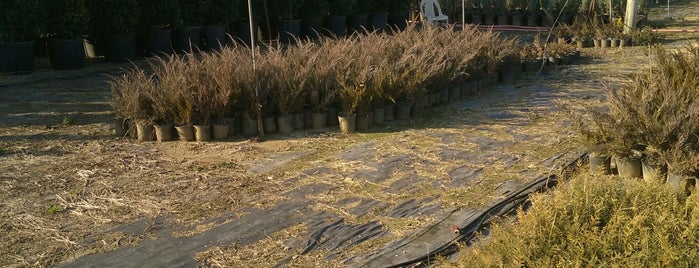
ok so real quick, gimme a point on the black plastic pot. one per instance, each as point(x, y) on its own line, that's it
point(187, 39)
point(600, 163)
point(398, 20)
point(518, 19)
point(653, 171)
point(288, 30)
point(532, 66)
point(403, 110)
point(158, 42)
point(508, 74)
point(67, 54)
point(547, 20)
point(17, 57)
point(418, 109)
point(378, 21)
point(121, 48)
point(629, 167)
point(311, 28)
point(490, 19)
point(503, 19)
point(214, 37)
point(335, 25)
point(242, 31)
point(41, 47)
point(348, 123)
point(477, 18)
point(566, 18)
point(357, 23)
point(680, 183)
point(533, 19)
point(624, 42)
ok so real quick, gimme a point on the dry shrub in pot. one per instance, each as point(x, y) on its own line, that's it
point(168, 72)
point(129, 96)
point(362, 72)
point(321, 85)
point(286, 74)
point(222, 71)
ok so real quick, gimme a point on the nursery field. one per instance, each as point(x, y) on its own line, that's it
point(74, 194)
point(682, 15)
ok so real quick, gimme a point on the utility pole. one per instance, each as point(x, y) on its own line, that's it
point(630, 17)
point(258, 102)
point(463, 14)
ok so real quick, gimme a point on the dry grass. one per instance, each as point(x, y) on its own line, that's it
point(56, 210)
point(265, 253)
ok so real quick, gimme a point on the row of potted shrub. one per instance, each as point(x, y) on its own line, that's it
point(372, 77)
point(531, 12)
point(112, 25)
point(589, 31)
point(651, 124)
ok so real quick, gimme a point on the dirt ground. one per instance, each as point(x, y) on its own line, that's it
point(73, 194)
point(678, 15)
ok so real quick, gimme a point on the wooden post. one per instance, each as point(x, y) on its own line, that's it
point(630, 17)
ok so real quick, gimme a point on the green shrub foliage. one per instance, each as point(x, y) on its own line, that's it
point(21, 20)
point(595, 222)
point(160, 14)
point(68, 19)
point(114, 16)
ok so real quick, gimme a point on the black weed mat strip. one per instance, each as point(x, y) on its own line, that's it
point(461, 225)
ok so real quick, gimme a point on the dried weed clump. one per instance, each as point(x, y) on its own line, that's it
point(595, 221)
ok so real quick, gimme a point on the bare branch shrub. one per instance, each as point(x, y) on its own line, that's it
point(361, 72)
point(129, 96)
